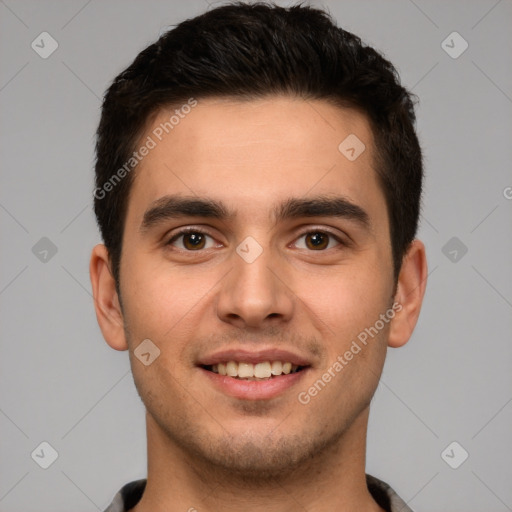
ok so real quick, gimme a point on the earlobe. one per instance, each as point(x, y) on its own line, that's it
point(106, 300)
point(409, 295)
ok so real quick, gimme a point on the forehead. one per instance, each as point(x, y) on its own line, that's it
point(249, 153)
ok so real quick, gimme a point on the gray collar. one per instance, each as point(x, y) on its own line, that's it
point(382, 493)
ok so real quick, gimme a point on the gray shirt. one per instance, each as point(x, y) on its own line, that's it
point(382, 493)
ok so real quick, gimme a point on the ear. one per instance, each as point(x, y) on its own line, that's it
point(411, 285)
point(106, 300)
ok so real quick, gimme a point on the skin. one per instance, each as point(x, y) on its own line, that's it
point(206, 449)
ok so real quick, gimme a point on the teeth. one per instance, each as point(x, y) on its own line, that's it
point(232, 369)
point(264, 370)
point(277, 368)
point(245, 370)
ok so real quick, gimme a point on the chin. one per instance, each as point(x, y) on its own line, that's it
point(258, 459)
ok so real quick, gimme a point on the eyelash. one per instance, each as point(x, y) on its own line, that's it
point(200, 231)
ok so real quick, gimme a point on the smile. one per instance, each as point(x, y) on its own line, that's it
point(259, 371)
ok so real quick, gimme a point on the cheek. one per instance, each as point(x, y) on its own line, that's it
point(167, 305)
point(349, 301)
point(156, 297)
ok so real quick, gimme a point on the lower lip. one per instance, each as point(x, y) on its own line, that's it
point(254, 389)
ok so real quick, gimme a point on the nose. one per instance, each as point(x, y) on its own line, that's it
point(255, 294)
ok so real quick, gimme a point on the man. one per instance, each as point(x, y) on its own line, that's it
point(258, 185)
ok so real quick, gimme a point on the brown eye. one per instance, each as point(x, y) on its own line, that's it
point(193, 241)
point(317, 241)
point(190, 240)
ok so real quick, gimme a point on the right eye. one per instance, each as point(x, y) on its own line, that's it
point(191, 240)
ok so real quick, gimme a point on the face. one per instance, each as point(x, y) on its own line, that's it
point(252, 242)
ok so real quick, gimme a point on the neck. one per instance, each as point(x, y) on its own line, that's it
point(334, 480)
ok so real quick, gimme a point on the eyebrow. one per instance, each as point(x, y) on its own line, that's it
point(176, 206)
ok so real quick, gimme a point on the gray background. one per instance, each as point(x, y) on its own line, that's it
point(61, 383)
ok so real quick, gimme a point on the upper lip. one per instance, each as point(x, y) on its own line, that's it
point(254, 357)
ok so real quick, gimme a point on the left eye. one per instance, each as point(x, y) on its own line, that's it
point(191, 240)
point(317, 241)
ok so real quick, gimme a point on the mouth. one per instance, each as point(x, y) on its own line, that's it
point(262, 375)
point(265, 370)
